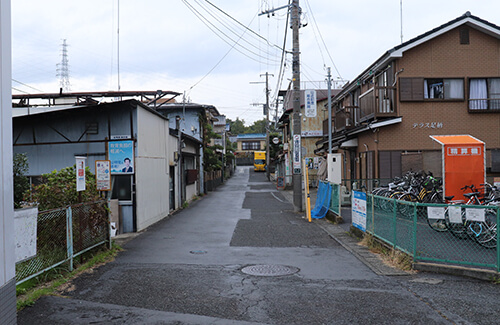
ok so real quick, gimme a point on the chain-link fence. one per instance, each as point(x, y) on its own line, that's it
point(63, 234)
point(450, 234)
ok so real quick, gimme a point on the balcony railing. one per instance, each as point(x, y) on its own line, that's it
point(484, 105)
point(375, 103)
point(378, 102)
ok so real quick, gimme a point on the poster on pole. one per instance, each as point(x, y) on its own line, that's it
point(103, 175)
point(310, 102)
point(297, 169)
point(80, 173)
point(359, 210)
point(121, 155)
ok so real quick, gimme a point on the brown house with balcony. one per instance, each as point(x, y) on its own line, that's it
point(443, 82)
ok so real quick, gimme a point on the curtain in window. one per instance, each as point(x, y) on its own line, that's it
point(426, 89)
point(478, 94)
point(494, 93)
point(454, 89)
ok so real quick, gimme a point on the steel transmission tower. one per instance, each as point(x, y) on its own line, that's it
point(63, 68)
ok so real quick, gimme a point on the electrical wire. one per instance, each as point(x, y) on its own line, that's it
point(246, 27)
point(321, 36)
point(212, 27)
point(22, 83)
point(283, 52)
point(213, 14)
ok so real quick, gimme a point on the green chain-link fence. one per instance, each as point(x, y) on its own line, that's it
point(63, 234)
point(450, 234)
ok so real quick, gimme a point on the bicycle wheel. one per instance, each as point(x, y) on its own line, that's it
point(488, 235)
point(438, 225)
point(457, 229)
point(406, 210)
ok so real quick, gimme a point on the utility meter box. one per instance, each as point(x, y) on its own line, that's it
point(334, 168)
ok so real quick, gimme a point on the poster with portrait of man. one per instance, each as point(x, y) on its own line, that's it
point(121, 155)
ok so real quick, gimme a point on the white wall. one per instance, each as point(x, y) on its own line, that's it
point(7, 256)
point(152, 168)
point(173, 144)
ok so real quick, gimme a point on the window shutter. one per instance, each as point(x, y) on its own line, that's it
point(411, 89)
point(384, 164)
point(464, 35)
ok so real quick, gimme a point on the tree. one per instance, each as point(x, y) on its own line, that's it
point(58, 189)
point(258, 127)
point(21, 182)
point(212, 160)
point(237, 127)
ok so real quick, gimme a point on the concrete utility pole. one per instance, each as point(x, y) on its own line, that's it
point(297, 147)
point(296, 127)
point(268, 157)
point(329, 110)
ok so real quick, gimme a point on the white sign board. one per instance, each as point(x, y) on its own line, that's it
point(474, 214)
point(310, 102)
point(297, 154)
point(435, 213)
point(103, 175)
point(455, 214)
point(359, 210)
point(25, 221)
point(80, 173)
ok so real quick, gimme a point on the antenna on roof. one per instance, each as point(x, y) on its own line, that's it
point(118, 45)
point(401, 18)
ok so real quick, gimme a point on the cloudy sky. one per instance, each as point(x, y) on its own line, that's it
point(215, 51)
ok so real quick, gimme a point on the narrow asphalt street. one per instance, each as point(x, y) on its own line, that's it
point(241, 255)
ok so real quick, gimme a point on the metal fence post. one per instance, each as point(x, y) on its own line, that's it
point(415, 214)
point(109, 224)
point(394, 214)
point(69, 236)
point(498, 240)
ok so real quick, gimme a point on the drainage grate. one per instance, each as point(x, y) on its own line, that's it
point(270, 270)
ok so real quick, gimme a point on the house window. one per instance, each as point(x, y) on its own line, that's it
point(250, 145)
point(484, 94)
point(419, 89)
point(443, 88)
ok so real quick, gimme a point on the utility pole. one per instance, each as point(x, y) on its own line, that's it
point(296, 126)
point(268, 157)
point(329, 110)
point(297, 141)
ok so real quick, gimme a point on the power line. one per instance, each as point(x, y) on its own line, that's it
point(250, 30)
point(321, 36)
point(22, 83)
point(211, 26)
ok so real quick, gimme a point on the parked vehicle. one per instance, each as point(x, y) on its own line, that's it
point(259, 161)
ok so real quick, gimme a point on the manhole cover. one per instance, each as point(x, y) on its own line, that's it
point(198, 252)
point(269, 270)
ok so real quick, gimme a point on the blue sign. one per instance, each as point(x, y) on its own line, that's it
point(359, 210)
point(121, 154)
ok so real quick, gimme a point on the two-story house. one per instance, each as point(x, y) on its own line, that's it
point(443, 82)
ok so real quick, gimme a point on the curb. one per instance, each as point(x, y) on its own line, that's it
point(480, 274)
point(371, 260)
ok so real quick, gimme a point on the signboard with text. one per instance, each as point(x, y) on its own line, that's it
point(310, 102)
point(297, 146)
point(121, 155)
point(80, 173)
point(359, 210)
point(103, 175)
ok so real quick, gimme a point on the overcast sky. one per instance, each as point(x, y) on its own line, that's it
point(202, 47)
